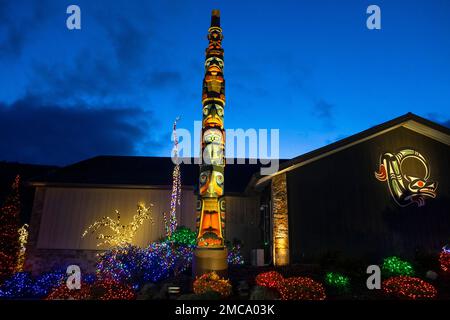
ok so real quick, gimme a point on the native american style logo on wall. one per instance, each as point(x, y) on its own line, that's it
point(407, 174)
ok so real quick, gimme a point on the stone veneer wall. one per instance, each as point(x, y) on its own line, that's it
point(280, 220)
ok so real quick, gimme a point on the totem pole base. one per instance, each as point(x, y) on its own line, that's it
point(206, 260)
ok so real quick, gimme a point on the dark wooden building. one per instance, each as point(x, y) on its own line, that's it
point(337, 202)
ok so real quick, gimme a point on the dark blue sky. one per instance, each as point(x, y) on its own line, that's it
point(310, 68)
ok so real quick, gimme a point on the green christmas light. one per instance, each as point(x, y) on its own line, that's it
point(182, 235)
point(394, 265)
point(337, 280)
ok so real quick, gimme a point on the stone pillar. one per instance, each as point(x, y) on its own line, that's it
point(280, 220)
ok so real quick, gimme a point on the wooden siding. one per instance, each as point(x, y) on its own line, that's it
point(67, 212)
point(337, 205)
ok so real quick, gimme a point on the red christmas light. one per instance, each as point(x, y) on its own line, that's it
point(301, 288)
point(406, 287)
point(444, 260)
point(271, 279)
point(64, 293)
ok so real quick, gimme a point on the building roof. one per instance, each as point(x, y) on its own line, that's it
point(138, 172)
point(410, 121)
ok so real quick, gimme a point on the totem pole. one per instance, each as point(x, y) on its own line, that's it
point(211, 253)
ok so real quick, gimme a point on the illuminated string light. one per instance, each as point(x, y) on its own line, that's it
point(175, 198)
point(395, 266)
point(23, 239)
point(109, 289)
point(135, 266)
point(9, 225)
point(212, 282)
point(406, 287)
point(23, 285)
point(122, 234)
point(301, 288)
point(337, 280)
point(182, 235)
point(295, 288)
point(270, 279)
point(64, 293)
point(235, 256)
point(444, 259)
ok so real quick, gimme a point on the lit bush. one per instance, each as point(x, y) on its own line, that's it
point(337, 280)
point(406, 287)
point(64, 293)
point(182, 235)
point(270, 279)
point(301, 288)
point(395, 266)
point(23, 285)
point(212, 282)
point(135, 266)
point(109, 289)
point(444, 261)
point(17, 286)
point(235, 256)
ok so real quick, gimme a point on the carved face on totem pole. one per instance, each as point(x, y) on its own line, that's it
point(213, 151)
point(211, 183)
point(213, 116)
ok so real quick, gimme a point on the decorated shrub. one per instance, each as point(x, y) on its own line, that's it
point(212, 282)
point(235, 256)
point(64, 293)
point(182, 235)
point(444, 260)
point(23, 285)
point(46, 282)
point(19, 285)
point(270, 279)
point(395, 266)
point(135, 266)
point(301, 288)
point(337, 280)
point(109, 289)
point(406, 287)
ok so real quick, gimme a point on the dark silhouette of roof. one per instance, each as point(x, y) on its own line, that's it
point(141, 171)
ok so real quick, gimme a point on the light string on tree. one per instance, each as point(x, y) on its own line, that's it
point(175, 198)
point(444, 259)
point(122, 234)
point(9, 225)
point(23, 239)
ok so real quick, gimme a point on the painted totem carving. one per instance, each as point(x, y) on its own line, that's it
point(211, 203)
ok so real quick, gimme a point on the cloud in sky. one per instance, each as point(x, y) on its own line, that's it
point(143, 60)
point(38, 132)
point(323, 110)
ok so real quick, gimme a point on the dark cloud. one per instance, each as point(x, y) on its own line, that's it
point(323, 110)
point(15, 32)
point(160, 79)
point(42, 133)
